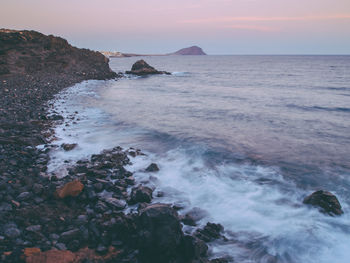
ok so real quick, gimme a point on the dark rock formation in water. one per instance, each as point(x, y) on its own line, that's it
point(141, 68)
point(153, 167)
point(194, 50)
point(326, 201)
point(28, 52)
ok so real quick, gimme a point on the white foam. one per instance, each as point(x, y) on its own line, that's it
point(261, 211)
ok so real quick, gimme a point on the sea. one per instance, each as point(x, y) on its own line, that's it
point(244, 138)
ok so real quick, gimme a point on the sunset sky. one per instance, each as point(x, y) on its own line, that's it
point(161, 26)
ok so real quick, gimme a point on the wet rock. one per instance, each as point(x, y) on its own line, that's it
point(82, 219)
point(72, 189)
point(34, 228)
point(210, 232)
point(5, 207)
point(68, 146)
point(141, 194)
point(130, 180)
point(193, 216)
point(153, 167)
point(115, 203)
point(69, 235)
point(326, 201)
point(24, 196)
point(61, 246)
point(55, 117)
point(98, 187)
point(141, 68)
point(194, 247)
point(37, 189)
point(159, 230)
point(12, 232)
point(101, 207)
point(101, 249)
point(222, 260)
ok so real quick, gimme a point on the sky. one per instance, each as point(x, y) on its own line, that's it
point(162, 26)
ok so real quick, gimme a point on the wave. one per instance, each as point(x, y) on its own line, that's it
point(319, 108)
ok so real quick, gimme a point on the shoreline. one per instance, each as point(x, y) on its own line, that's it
point(48, 218)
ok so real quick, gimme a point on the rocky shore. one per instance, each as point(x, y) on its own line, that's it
point(81, 217)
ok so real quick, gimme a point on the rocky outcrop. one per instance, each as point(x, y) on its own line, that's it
point(194, 50)
point(141, 68)
point(153, 167)
point(28, 52)
point(326, 201)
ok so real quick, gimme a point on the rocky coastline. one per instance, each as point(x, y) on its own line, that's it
point(78, 218)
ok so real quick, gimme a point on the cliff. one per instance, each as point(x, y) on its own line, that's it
point(30, 52)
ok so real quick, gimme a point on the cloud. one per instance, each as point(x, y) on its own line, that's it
point(254, 28)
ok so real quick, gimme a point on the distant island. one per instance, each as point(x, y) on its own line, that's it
point(194, 51)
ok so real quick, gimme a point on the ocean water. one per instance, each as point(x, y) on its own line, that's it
point(244, 138)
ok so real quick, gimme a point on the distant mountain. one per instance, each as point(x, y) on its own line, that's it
point(194, 50)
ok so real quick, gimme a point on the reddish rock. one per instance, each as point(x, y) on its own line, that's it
point(66, 256)
point(70, 189)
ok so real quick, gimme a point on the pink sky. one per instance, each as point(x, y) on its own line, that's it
point(218, 26)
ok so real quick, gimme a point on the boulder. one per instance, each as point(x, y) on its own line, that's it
point(153, 167)
point(141, 68)
point(68, 146)
point(141, 194)
point(160, 231)
point(210, 232)
point(194, 215)
point(72, 189)
point(326, 201)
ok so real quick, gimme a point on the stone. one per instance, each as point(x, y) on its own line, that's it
point(52, 256)
point(34, 228)
point(12, 232)
point(69, 146)
point(326, 201)
point(82, 219)
point(194, 215)
point(141, 68)
point(160, 230)
point(61, 246)
point(37, 189)
point(28, 251)
point(210, 232)
point(72, 189)
point(153, 167)
point(115, 203)
point(69, 235)
point(141, 194)
point(24, 196)
point(5, 207)
point(194, 247)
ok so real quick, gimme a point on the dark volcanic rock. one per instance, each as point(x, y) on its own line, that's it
point(141, 68)
point(141, 194)
point(153, 167)
point(30, 51)
point(194, 50)
point(161, 232)
point(68, 146)
point(326, 201)
point(210, 232)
